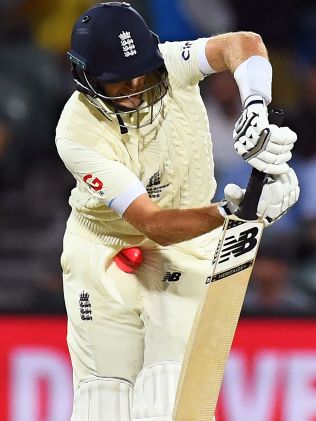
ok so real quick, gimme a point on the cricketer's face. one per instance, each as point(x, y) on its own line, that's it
point(127, 94)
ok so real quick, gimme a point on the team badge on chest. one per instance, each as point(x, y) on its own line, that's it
point(85, 306)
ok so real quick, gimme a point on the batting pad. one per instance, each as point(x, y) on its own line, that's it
point(103, 400)
point(155, 391)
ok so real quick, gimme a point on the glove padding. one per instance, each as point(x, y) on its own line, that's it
point(264, 146)
point(279, 193)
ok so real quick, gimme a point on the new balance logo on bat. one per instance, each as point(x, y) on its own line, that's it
point(246, 242)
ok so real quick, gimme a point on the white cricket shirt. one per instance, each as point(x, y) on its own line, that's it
point(171, 159)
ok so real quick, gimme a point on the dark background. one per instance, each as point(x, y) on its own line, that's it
point(35, 82)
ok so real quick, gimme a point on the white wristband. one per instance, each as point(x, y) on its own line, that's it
point(204, 65)
point(254, 77)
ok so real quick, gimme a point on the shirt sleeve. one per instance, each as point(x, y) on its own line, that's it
point(186, 61)
point(110, 181)
point(204, 65)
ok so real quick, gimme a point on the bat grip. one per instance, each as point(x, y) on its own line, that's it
point(248, 207)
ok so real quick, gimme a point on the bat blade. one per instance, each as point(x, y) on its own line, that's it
point(216, 320)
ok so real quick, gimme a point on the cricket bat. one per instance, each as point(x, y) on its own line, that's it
point(217, 317)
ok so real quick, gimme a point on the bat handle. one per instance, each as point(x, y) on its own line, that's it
point(248, 207)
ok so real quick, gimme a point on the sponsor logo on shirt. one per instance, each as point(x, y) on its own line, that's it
point(93, 182)
point(186, 50)
point(154, 187)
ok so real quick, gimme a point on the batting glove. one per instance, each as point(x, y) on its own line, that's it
point(264, 146)
point(279, 194)
point(233, 196)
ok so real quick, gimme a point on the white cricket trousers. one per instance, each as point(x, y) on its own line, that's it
point(130, 329)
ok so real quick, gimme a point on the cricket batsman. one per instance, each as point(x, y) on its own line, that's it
point(142, 230)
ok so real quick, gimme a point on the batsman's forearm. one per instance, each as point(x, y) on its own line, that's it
point(175, 225)
point(228, 51)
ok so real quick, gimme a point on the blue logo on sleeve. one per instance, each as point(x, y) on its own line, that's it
point(186, 50)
